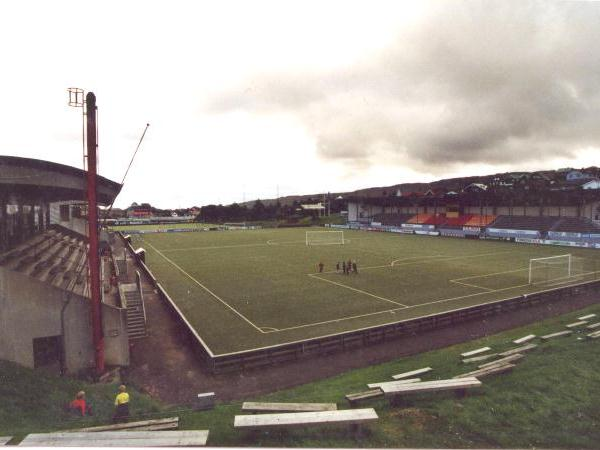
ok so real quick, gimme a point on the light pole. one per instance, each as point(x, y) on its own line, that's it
point(76, 99)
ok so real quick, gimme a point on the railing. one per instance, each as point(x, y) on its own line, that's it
point(241, 360)
point(138, 282)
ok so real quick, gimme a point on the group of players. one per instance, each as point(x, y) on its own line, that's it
point(346, 267)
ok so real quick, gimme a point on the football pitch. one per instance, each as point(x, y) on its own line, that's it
point(248, 289)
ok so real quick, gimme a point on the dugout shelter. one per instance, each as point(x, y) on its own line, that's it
point(44, 278)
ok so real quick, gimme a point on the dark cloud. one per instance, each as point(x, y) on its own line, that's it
point(474, 82)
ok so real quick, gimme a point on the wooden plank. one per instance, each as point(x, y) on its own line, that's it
point(488, 371)
point(344, 416)
point(589, 316)
point(158, 427)
point(391, 384)
point(479, 358)
point(205, 401)
point(288, 407)
point(5, 439)
point(431, 386)
point(409, 380)
point(475, 352)
point(400, 376)
point(524, 339)
point(501, 361)
point(512, 351)
point(594, 335)
point(129, 425)
point(374, 393)
point(118, 439)
point(554, 335)
point(593, 325)
point(577, 324)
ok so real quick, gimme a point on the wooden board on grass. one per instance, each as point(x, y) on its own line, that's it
point(475, 352)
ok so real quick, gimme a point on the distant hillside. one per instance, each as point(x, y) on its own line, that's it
point(449, 184)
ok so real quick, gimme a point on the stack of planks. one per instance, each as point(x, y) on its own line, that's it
point(394, 389)
point(168, 423)
point(505, 364)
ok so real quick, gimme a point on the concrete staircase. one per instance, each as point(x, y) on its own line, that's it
point(136, 319)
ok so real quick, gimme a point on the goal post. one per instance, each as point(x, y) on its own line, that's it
point(324, 237)
point(550, 268)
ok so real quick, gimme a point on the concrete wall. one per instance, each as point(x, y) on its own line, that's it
point(32, 309)
point(76, 224)
point(116, 340)
point(352, 212)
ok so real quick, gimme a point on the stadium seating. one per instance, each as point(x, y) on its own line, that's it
point(539, 223)
point(392, 219)
point(479, 220)
point(56, 256)
point(576, 225)
point(456, 222)
point(420, 219)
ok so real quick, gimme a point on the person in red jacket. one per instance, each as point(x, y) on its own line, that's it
point(80, 406)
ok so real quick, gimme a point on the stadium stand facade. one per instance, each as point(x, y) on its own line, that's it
point(44, 299)
point(559, 217)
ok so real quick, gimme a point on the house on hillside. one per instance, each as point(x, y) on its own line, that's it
point(577, 175)
point(475, 187)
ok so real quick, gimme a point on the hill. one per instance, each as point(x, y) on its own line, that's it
point(448, 184)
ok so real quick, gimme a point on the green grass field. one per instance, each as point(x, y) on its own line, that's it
point(249, 289)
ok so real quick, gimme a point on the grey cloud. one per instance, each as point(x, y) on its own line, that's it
point(491, 82)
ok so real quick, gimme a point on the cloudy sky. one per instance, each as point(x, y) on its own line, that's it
point(250, 98)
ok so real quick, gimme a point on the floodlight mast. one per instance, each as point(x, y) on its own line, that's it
point(89, 110)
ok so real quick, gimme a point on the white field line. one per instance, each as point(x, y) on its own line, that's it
point(490, 274)
point(356, 290)
point(418, 257)
point(471, 285)
point(566, 279)
point(383, 265)
point(207, 290)
point(422, 260)
point(212, 247)
point(397, 309)
point(416, 306)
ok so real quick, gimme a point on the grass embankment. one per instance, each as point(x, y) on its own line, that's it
point(549, 400)
point(33, 402)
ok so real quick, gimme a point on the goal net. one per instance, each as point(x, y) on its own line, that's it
point(324, 237)
point(550, 268)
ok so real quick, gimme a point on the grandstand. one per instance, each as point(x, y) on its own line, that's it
point(576, 225)
point(391, 219)
point(537, 223)
point(45, 298)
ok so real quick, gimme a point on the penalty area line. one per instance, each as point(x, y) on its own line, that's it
point(248, 321)
point(471, 285)
point(357, 290)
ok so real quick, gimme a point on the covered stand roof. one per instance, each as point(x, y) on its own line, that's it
point(34, 179)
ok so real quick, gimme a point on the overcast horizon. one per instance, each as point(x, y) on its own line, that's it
point(246, 100)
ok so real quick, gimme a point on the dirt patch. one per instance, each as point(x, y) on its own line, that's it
point(418, 418)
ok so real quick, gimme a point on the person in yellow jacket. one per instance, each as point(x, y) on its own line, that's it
point(121, 405)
